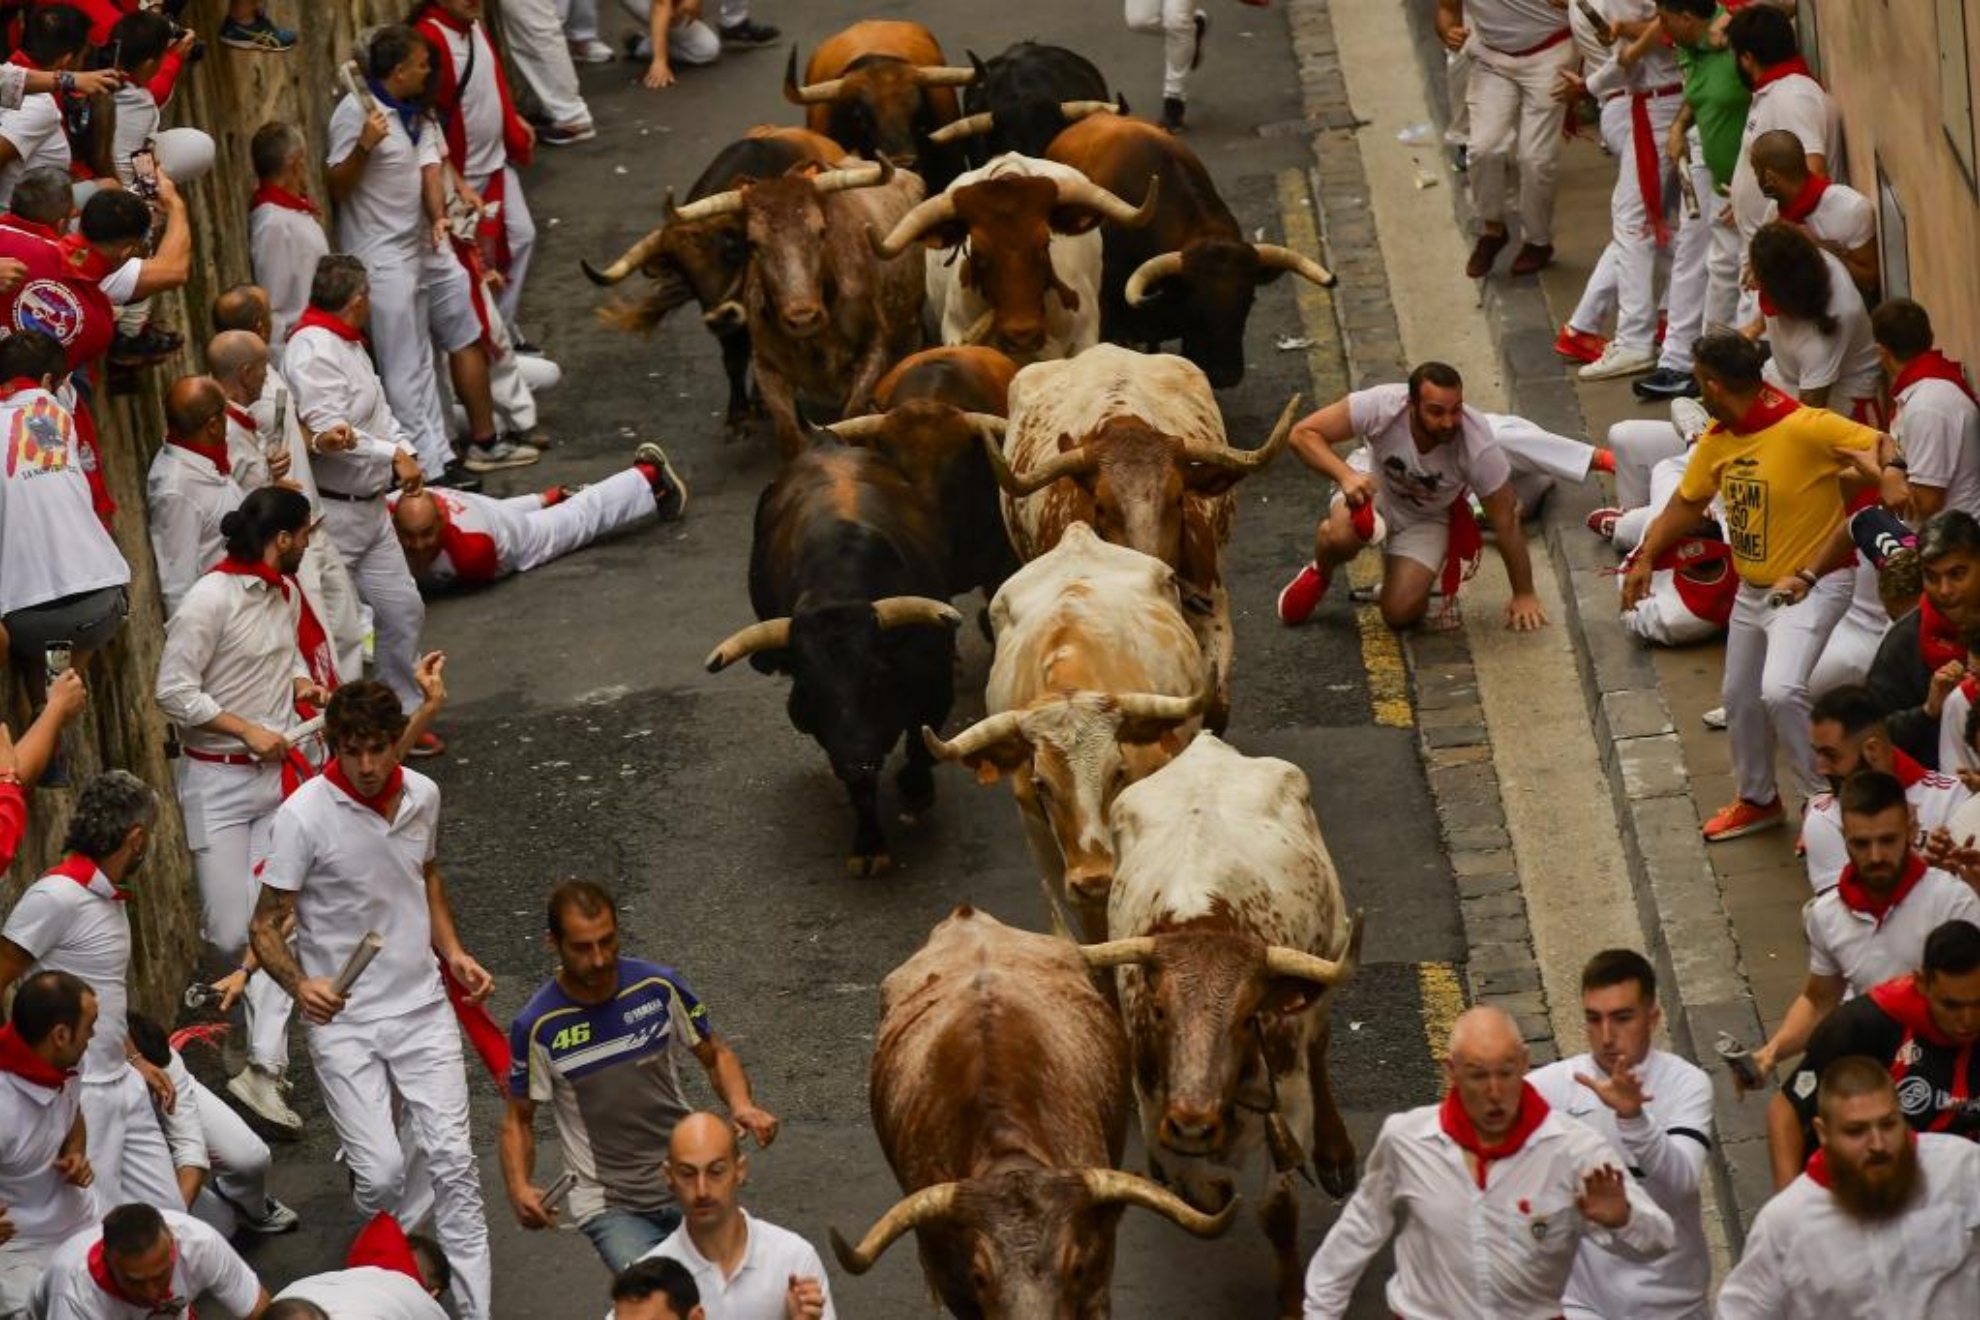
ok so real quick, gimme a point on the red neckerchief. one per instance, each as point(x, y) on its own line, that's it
point(1906, 769)
point(99, 1272)
point(17, 385)
point(21, 224)
point(1903, 1003)
point(317, 318)
point(253, 568)
point(1818, 1164)
point(243, 417)
point(447, 91)
point(1858, 899)
point(270, 195)
point(1458, 1127)
point(18, 1058)
point(25, 60)
point(84, 872)
point(1787, 68)
point(214, 454)
point(1770, 407)
point(1800, 206)
point(334, 772)
point(84, 259)
point(382, 1245)
point(1938, 637)
point(1932, 365)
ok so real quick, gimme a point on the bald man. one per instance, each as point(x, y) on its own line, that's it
point(1489, 1195)
point(1835, 215)
point(190, 486)
point(745, 1268)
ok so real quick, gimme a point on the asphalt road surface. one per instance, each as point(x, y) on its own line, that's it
point(587, 741)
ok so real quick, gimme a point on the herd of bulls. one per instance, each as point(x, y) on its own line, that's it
point(1049, 455)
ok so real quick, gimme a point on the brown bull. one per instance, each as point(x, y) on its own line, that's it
point(999, 1096)
point(883, 88)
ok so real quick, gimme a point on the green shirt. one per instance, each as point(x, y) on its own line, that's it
point(1718, 101)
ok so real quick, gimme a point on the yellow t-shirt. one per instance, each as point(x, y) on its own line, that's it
point(1779, 487)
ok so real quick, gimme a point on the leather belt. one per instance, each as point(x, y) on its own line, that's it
point(349, 499)
point(1548, 44)
point(220, 758)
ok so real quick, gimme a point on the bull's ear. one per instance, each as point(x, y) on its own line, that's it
point(1210, 479)
point(1074, 220)
point(1066, 442)
point(1266, 274)
point(1289, 995)
point(1170, 744)
point(948, 234)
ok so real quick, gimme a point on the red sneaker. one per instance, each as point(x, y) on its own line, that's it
point(1302, 596)
point(1742, 818)
point(1578, 345)
point(429, 744)
point(1602, 522)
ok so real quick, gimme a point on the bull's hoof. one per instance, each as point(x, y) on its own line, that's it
point(1337, 1180)
point(862, 865)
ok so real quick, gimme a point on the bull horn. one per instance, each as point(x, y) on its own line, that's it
point(857, 430)
point(937, 210)
point(636, 256)
point(990, 731)
point(982, 328)
point(944, 75)
point(1075, 463)
point(1118, 953)
point(1284, 258)
point(988, 425)
point(906, 611)
point(858, 176)
point(968, 126)
point(1152, 271)
point(1163, 708)
point(721, 203)
point(1246, 460)
point(769, 635)
point(910, 1212)
point(808, 93)
point(1074, 111)
point(1301, 965)
point(1085, 192)
point(1112, 1186)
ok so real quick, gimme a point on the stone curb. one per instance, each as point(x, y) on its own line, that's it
point(1679, 903)
point(1500, 967)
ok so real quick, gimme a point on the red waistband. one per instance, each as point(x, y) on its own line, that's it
point(1548, 44)
point(1654, 94)
point(220, 758)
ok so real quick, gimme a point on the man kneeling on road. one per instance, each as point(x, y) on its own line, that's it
point(1425, 451)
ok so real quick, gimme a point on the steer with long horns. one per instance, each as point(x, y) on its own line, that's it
point(1097, 682)
point(1227, 929)
point(1026, 277)
point(1024, 96)
point(883, 88)
point(703, 261)
point(846, 574)
point(826, 317)
point(1134, 444)
point(999, 1096)
point(1190, 276)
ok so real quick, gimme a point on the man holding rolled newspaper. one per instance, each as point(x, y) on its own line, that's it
point(353, 864)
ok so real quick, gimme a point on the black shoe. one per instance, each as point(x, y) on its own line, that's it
point(1202, 30)
point(1664, 383)
point(748, 34)
point(457, 477)
point(670, 493)
point(1461, 159)
point(146, 347)
point(526, 348)
point(1172, 113)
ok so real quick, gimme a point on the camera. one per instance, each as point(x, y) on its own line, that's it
point(195, 52)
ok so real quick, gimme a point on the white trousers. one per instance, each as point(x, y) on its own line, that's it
point(1539, 458)
point(536, 43)
point(1639, 446)
point(416, 1058)
point(520, 228)
point(1175, 20)
point(230, 827)
point(239, 1161)
point(1457, 89)
point(1665, 478)
point(621, 501)
point(1632, 250)
point(126, 1147)
point(1514, 118)
point(1598, 296)
point(21, 1268)
point(1853, 645)
point(332, 594)
point(363, 535)
point(1705, 257)
point(692, 42)
point(1770, 654)
point(401, 345)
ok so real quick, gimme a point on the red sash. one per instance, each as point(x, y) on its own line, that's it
point(434, 23)
point(1649, 166)
point(1464, 548)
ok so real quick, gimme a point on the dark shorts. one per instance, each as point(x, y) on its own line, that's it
point(87, 621)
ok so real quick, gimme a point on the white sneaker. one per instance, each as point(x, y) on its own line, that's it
point(259, 1091)
point(1690, 418)
point(1618, 360)
point(593, 51)
point(274, 1218)
point(1714, 718)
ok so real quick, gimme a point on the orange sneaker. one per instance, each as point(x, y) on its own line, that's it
point(1742, 818)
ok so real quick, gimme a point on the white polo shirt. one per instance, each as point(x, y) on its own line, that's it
point(206, 1264)
point(366, 1293)
point(284, 245)
point(1846, 361)
point(34, 128)
point(1799, 105)
point(1809, 1259)
point(1865, 951)
point(1938, 431)
point(35, 1120)
point(1935, 799)
point(231, 647)
point(1664, 1149)
point(352, 872)
point(1416, 485)
point(186, 496)
point(384, 218)
point(85, 930)
point(45, 504)
point(756, 1290)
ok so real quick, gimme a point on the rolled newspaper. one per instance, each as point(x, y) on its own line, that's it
point(554, 1194)
point(367, 949)
point(277, 442)
point(303, 732)
point(355, 84)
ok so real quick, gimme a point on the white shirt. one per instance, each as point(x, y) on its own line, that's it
point(138, 118)
point(1511, 26)
point(1935, 799)
point(13, 85)
point(756, 1290)
point(84, 930)
point(1938, 431)
point(1413, 483)
point(1843, 217)
point(499, 521)
point(184, 1129)
point(384, 217)
point(35, 129)
point(1846, 361)
point(1808, 1259)
point(206, 1264)
point(366, 1293)
point(481, 103)
point(1503, 1253)
point(353, 872)
point(34, 1122)
point(52, 544)
point(333, 381)
point(232, 647)
point(1664, 1148)
point(1798, 105)
point(1864, 951)
point(186, 497)
point(284, 246)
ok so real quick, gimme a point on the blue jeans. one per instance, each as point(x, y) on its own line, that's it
point(623, 1236)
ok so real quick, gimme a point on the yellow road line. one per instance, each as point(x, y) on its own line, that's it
point(1443, 1000)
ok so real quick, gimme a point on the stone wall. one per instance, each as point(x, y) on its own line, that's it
point(230, 94)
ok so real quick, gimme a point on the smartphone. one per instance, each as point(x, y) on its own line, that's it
point(144, 171)
point(56, 659)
